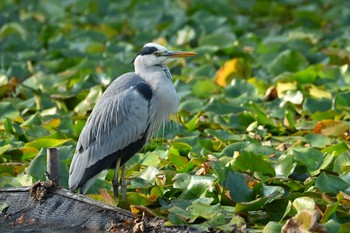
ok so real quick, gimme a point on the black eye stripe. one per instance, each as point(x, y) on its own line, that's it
point(148, 50)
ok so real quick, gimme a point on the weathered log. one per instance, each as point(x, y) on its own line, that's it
point(60, 210)
point(44, 207)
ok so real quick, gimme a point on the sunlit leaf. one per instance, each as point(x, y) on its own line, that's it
point(342, 163)
point(236, 67)
point(29, 152)
point(336, 149)
point(52, 123)
point(304, 203)
point(319, 93)
point(193, 186)
point(283, 87)
point(272, 227)
point(46, 143)
point(285, 166)
point(250, 162)
point(5, 148)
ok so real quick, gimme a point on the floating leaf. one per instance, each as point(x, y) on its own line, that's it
point(12, 28)
point(272, 227)
point(29, 152)
point(336, 149)
point(250, 162)
point(319, 93)
point(138, 199)
point(218, 40)
point(37, 166)
point(304, 203)
point(203, 88)
point(11, 169)
point(238, 187)
point(310, 157)
point(46, 143)
point(288, 61)
point(318, 140)
point(317, 105)
point(209, 212)
point(330, 184)
point(283, 87)
point(302, 222)
point(195, 186)
point(236, 68)
point(285, 166)
point(331, 128)
point(52, 123)
point(7, 110)
point(342, 163)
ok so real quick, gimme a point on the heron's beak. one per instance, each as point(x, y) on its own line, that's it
point(172, 54)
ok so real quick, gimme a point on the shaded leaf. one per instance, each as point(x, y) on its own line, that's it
point(288, 60)
point(236, 183)
point(330, 184)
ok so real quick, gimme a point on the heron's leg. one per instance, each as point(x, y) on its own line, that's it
point(123, 183)
point(115, 178)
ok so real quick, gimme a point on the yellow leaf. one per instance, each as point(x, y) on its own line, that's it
point(319, 93)
point(344, 199)
point(52, 123)
point(225, 71)
point(331, 128)
point(3, 149)
point(108, 198)
point(282, 87)
point(236, 66)
point(46, 143)
point(29, 152)
point(135, 209)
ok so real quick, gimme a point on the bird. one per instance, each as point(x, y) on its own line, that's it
point(128, 113)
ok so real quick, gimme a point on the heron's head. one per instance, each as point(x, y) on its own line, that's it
point(153, 54)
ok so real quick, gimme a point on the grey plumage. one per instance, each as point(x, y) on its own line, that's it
point(110, 128)
point(131, 109)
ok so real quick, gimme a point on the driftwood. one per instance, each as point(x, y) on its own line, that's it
point(45, 208)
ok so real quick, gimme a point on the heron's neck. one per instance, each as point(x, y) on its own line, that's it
point(161, 68)
point(166, 71)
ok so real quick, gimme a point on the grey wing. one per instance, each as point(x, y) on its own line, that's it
point(119, 119)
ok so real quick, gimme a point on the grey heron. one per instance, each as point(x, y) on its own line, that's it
point(131, 109)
